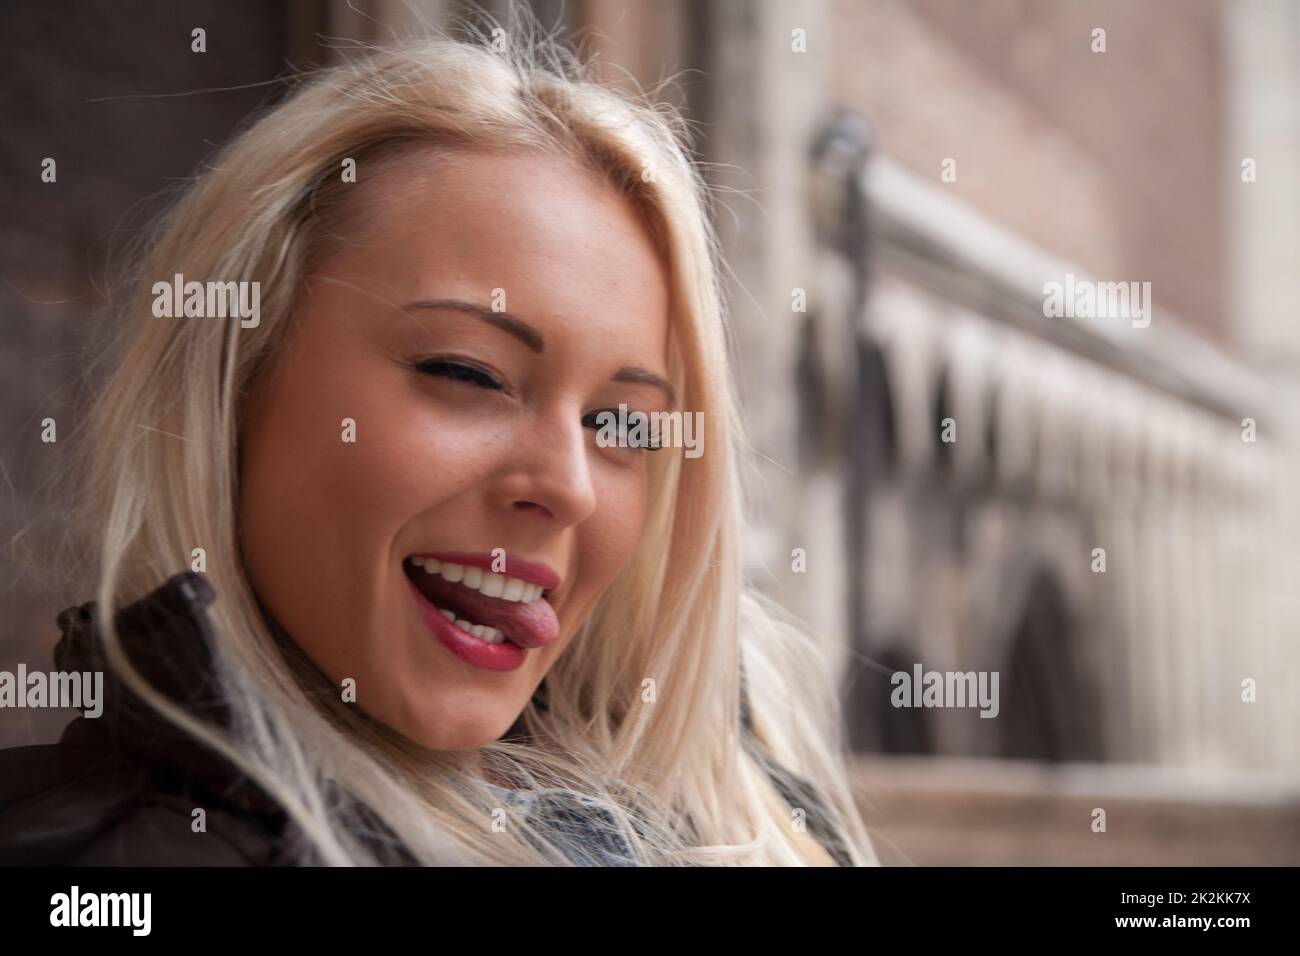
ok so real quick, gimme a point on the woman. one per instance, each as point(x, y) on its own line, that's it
point(435, 615)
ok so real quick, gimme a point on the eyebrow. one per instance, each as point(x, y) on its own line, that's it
point(525, 333)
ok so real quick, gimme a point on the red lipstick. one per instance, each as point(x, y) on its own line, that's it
point(525, 624)
point(531, 571)
point(506, 656)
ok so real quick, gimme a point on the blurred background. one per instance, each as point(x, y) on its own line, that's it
point(1103, 514)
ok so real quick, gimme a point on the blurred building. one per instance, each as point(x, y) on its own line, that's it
point(924, 170)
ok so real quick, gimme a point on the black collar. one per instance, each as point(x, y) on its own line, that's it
point(166, 635)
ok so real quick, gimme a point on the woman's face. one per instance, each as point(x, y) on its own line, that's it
point(431, 424)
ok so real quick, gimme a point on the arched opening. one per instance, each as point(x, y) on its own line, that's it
point(944, 410)
point(1047, 710)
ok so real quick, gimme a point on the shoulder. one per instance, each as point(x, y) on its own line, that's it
point(64, 805)
point(798, 793)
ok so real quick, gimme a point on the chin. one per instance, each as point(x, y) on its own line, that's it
point(460, 732)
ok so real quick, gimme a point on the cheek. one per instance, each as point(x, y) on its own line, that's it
point(609, 536)
point(341, 461)
point(604, 543)
point(329, 475)
point(318, 469)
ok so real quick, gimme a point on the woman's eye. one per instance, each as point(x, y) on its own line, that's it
point(631, 431)
point(460, 372)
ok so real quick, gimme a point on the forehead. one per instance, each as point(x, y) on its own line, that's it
point(553, 236)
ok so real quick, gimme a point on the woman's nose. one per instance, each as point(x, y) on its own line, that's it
point(549, 473)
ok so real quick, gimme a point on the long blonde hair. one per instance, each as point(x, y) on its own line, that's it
point(649, 724)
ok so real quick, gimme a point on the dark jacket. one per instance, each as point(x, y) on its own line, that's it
point(123, 788)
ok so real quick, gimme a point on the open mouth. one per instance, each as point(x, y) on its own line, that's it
point(493, 608)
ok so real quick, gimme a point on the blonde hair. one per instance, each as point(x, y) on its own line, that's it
point(162, 478)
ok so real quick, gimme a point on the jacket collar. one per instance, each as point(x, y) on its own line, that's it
point(166, 635)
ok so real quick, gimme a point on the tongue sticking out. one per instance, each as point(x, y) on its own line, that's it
point(528, 625)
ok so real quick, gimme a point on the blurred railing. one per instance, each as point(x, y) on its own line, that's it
point(1134, 472)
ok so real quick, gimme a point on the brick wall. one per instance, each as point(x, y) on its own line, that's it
point(1112, 160)
point(85, 90)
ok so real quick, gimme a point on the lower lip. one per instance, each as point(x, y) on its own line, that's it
point(506, 656)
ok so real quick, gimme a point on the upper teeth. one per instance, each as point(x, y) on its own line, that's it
point(488, 583)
